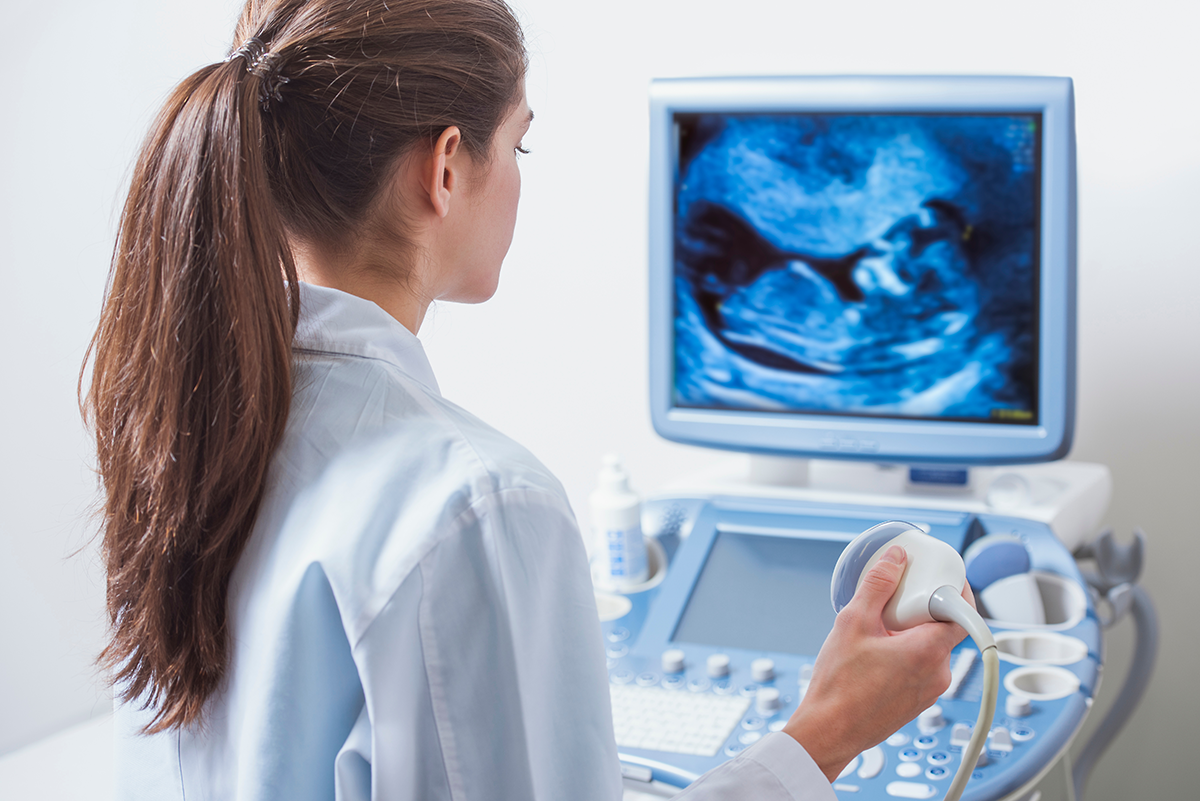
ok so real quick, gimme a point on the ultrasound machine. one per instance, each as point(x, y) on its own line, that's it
point(865, 286)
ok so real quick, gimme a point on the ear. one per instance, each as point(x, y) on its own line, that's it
point(444, 170)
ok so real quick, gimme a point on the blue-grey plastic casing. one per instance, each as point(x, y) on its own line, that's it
point(877, 439)
point(637, 640)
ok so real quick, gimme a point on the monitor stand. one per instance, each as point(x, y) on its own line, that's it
point(1070, 497)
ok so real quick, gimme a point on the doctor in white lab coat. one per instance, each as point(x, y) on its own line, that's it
point(406, 610)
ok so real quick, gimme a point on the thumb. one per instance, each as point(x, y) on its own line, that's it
point(880, 582)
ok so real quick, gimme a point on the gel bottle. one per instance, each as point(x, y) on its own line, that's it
point(617, 527)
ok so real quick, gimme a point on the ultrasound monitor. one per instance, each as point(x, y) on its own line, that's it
point(876, 268)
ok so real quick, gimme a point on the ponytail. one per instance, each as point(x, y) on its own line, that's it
point(293, 137)
point(190, 388)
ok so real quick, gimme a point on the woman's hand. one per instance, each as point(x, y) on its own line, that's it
point(867, 681)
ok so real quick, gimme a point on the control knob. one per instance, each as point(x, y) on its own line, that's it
point(931, 719)
point(718, 666)
point(766, 701)
point(762, 670)
point(672, 661)
point(1017, 706)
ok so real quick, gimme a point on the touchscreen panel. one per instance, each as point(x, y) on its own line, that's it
point(762, 593)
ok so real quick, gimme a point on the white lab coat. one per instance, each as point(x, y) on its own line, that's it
point(413, 616)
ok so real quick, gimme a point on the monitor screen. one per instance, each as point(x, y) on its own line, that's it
point(863, 264)
point(873, 274)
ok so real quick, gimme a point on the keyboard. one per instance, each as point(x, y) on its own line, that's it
point(673, 720)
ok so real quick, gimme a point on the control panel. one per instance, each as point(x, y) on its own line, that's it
point(719, 652)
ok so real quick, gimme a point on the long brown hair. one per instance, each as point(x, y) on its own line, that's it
point(292, 137)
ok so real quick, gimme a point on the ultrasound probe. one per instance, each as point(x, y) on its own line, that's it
point(930, 589)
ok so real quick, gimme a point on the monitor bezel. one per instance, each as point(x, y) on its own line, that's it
point(872, 438)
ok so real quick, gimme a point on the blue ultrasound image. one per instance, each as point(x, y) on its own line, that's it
point(869, 264)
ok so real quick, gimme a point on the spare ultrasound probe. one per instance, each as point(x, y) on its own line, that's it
point(930, 589)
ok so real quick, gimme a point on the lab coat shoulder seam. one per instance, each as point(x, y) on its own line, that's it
point(473, 511)
point(479, 471)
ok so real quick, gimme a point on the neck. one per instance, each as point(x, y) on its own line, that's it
point(355, 275)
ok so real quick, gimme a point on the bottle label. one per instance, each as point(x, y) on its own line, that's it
point(625, 551)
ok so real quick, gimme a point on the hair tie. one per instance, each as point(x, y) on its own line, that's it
point(252, 50)
point(264, 64)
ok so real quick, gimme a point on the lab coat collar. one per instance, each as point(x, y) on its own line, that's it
point(332, 321)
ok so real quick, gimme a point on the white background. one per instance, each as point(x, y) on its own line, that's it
point(558, 358)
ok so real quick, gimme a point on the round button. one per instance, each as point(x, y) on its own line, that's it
point(931, 719)
point(776, 725)
point(724, 687)
point(766, 702)
point(908, 770)
point(618, 634)
point(748, 690)
point(751, 724)
point(698, 685)
point(1017, 706)
point(750, 738)
point(647, 679)
point(672, 682)
point(898, 739)
point(718, 665)
point(762, 670)
point(926, 742)
point(617, 651)
point(734, 749)
point(1022, 734)
point(910, 755)
point(672, 661)
point(936, 773)
point(622, 676)
point(806, 673)
point(939, 758)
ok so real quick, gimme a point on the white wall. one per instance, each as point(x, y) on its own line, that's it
point(557, 358)
point(83, 81)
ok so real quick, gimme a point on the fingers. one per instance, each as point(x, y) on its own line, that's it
point(868, 682)
point(880, 582)
point(935, 639)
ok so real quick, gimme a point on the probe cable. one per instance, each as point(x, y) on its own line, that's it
point(948, 605)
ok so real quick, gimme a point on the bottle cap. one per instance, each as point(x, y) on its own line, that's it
point(613, 476)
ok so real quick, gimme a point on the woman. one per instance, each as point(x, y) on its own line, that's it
point(324, 579)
